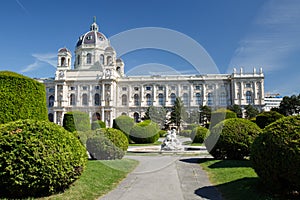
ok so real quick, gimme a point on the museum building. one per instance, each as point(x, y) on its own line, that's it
point(97, 84)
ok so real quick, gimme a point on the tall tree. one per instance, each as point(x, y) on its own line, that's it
point(205, 114)
point(177, 113)
point(156, 114)
point(237, 109)
point(251, 111)
point(290, 105)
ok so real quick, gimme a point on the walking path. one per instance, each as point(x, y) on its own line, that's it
point(171, 177)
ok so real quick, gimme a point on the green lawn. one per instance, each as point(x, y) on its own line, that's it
point(235, 180)
point(99, 178)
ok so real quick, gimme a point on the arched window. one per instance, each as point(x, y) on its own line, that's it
point(124, 100)
point(72, 100)
point(50, 117)
point(102, 59)
point(97, 99)
point(249, 97)
point(63, 61)
point(222, 99)
point(88, 58)
point(51, 101)
point(210, 99)
point(161, 99)
point(149, 100)
point(173, 98)
point(185, 99)
point(136, 100)
point(78, 60)
point(198, 99)
point(84, 100)
point(109, 60)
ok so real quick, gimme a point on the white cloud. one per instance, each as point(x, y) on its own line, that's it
point(40, 60)
point(273, 37)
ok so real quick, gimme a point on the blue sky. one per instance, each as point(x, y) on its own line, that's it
point(235, 33)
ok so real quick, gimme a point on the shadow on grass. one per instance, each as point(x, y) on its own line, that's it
point(208, 192)
point(231, 164)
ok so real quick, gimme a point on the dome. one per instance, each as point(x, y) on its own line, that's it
point(64, 50)
point(92, 37)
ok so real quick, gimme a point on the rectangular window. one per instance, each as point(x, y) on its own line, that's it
point(97, 87)
point(136, 88)
point(160, 88)
point(148, 88)
point(197, 87)
point(185, 87)
point(124, 88)
point(84, 87)
point(173, 87)
point(72, 88)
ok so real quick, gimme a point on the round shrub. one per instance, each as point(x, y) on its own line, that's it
point(38, 158)
point(101, 148)
point(220, 115)
point(275, 155)
point(185, 133)
point(265, 118)
point(198, 134)
point(116, 136)
point(123, 123)
point(144, 132)
point(232, 138)
point(98, 124)
point(76, 120)
point(21, 98)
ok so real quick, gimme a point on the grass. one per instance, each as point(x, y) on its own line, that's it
point(236, 180)
point(99, 178)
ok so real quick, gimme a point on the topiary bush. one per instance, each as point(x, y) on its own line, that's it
point(101, 148)
point(198, 134)
point(115, 136)
point(123, 123)
point(265, 118)
point(275, 155)
point(76, 120)
point(162, 133)
point(98, 124)
point(220, 115)
point(115, 143)
point(191, 126)
point(21, 98)
point(231, 138)
point(144, 132)
point(38, 158)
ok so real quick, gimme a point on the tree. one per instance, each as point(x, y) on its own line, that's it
point(156, 114)
point(177, 112)
point(290, 105)
point(251, 111)
point(237, 109)
point(205, 114)
point(266, 118)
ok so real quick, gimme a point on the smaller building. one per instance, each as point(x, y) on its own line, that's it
point(272, 101)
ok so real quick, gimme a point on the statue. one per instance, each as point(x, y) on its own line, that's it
point(171, 142)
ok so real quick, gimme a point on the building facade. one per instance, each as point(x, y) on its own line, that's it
point(272, 101)
point(98, 85)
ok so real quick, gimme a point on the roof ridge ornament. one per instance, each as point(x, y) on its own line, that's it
point(94, 26)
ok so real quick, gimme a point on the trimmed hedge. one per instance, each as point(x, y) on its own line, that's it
point(38, 158)
point(232, 138)
point(101, 148)
point(123, 123)
point(144, 132)
point(162, 133)
point(76, 121)
point(275, 155)
point(115, 143)
point(21, 98)
point(265, 118)
point(220, 115)
point(199, 134)
point(98, 124)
